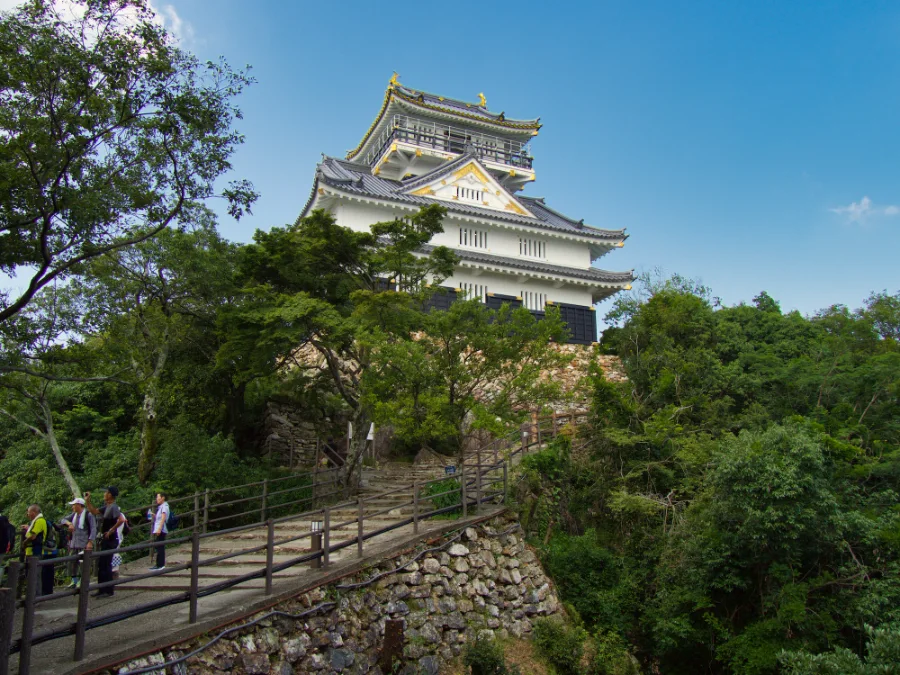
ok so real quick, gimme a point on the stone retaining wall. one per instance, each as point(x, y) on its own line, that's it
point(478, 583)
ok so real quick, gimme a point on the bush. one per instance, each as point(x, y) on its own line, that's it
point(485, 657)
point(450, 486)
point(560, 644)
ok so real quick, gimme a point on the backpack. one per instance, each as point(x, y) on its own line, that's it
point(172, 522)
point(50, 540)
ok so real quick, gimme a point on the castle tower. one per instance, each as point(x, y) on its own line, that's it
point(423, 148)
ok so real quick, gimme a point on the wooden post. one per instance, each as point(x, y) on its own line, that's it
point(83, 600)
point(315, 474)
point(195, 576)
point(205, 510)
point(291, 456)
point(196, 517)
point(32, 583)
point(462, 492)
point(555, 425)
point(13, 576)
point(265, 500)
point(505, 483)
point(415, 508)
point(270, 554)
point(7, 616)
point(478, 486)
point(359, 527)
point(326, 527)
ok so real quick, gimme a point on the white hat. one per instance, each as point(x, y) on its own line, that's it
point(77, 500)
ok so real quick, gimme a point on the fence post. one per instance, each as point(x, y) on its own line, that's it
point(462, 492)
point(555, 425)
point(270, 554)
point(478, 486)
point(32, 582)
point(7, 616)
point(12, 577)
point(196, 518)
point(415, 508)
point(505, 483)
point(359, 527)
point(265, 499)
point(205, 510)
point(195, 576)
point(83, 600)
point(326, 526)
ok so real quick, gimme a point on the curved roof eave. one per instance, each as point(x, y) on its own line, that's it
point(483, 118)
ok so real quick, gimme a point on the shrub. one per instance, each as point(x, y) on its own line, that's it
point(560, 644)
point(439, 500)
point(485, 657)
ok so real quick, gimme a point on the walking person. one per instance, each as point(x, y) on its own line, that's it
point(160, 530)
point(111, 518)
point(82, 528)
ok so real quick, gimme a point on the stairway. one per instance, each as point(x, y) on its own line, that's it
point(386, 495)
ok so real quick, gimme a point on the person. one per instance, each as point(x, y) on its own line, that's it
point(160, 530)
point(111, 518)
point(82, 527)
point(35, 536)
point(7, 543)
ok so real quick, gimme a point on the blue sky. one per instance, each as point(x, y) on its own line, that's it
point(752, 145)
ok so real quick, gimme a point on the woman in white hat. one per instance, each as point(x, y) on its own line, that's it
point(82, 532)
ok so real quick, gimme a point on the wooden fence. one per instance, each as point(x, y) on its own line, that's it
point(483, 477)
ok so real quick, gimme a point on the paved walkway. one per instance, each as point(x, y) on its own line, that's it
point(150, 631)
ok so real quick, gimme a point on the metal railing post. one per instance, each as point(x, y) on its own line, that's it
point(195, 576)
point(265, 499)
point(83, 601)
point(205, 510)
point(32, 582)
point(415, 508)
point(196, 518)
point(359, 527)
point(270, 554)
point(326, 527)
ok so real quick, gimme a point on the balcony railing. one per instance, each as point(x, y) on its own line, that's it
point(426, 134)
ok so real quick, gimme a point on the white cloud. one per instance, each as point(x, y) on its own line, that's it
point(164, 15)
point(858, 212)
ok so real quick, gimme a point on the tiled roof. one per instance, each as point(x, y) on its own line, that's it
point(457, 107)
point(358, 179)
point(591, 274)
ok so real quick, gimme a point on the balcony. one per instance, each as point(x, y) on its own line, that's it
point(446, 138)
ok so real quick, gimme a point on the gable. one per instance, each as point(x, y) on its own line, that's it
point(471, 184)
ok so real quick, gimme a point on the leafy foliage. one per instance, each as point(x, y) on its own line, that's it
point(737, 497)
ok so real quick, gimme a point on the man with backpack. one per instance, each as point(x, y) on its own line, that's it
point(40, 542)
point(111, 518)
point(82, 528)
point(160, 530)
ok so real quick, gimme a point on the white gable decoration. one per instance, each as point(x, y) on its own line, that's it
point(472, 184)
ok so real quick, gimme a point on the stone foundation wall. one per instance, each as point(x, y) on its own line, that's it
point(481, 581)
point(287, 431)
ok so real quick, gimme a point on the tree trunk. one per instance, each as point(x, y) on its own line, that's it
point(351, 470)
point(50, 435)
point(149, 419)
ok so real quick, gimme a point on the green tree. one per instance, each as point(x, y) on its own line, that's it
point(109, 133)
point(465, 368)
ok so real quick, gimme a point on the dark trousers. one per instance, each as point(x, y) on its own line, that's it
point(104, 564)
point(161, 549)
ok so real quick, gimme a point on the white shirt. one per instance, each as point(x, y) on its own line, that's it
point(162, 515)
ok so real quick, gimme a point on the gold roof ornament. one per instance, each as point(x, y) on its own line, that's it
point(482, 101)
point(394, 80)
